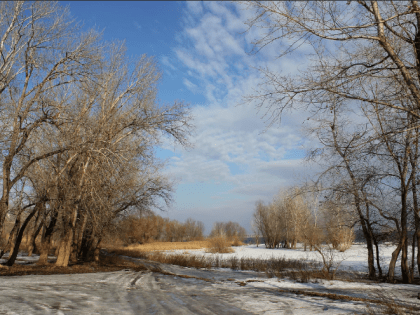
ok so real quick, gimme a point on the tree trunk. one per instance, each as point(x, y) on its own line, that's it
point(77, 241)
point(66, 242)
point(413, 258)
point(4, 201)
point(39, 222)
point(46, 239)
point(418, 250)
point(378, 263)
point(12, 237)
point(371, 260)
point(31, 244)
point(404, 242)
point(392, 263)
point(14, 253)
point(368, 237)
point(82, 235)
point(64, 250)
point(96, 250)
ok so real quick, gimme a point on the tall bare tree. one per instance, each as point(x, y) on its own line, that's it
point(41, 49)
point(83, 116)
point(365, 57)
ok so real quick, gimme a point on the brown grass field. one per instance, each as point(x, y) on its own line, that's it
point(160, 246)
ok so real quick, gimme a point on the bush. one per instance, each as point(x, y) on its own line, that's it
point(219, 244)
point(235, 241)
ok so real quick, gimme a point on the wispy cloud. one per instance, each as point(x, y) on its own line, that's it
point(232, 145)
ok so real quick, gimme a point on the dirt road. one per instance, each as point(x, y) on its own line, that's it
point(173, 290)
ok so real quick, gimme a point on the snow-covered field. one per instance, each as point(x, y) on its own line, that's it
point(353, 259)
point(168, 289)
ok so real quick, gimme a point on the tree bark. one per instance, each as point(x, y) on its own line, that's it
point(392, 263)
point(404, 238)
point(12, 237)
point(46, 239)
point(32, 248)
point(66, 243)
point(39, 222)
point(14, 253)
point(378, 263)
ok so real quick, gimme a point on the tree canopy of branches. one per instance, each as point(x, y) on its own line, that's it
point(151, 227)
point(362, 87)
point(79, 124)
point(230, 230)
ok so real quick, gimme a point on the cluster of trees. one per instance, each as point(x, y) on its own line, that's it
point(294, 216)
point(362, 88)
point(79, 122)
point(229, 230)
point(152, 227)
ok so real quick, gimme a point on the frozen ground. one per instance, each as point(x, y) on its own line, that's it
point(168, 289)
point(353, 259)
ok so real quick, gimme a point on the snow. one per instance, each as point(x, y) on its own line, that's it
point(353, 259)
point(180, 290)
point(23, 259)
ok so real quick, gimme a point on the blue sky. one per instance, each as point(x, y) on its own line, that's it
point(202, 50)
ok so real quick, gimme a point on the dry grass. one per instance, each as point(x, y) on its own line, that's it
point(219, 244)
point(281, 267)
point(106, 264)
point(181, 260)
point(177, 259)
point(236, 242)
point(161, 246)
point(299, 270)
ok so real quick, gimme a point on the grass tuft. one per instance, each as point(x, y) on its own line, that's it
point(219, 244)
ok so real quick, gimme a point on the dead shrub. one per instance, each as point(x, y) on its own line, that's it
point(330, 260)
point(234, 265)
point(216, 261)
point(236, 241)
point(219, 244)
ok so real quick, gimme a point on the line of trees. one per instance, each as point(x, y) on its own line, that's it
point(297, 217)
point(151, 227)
point(232, 231)
point(79, 121)
point(362, 89)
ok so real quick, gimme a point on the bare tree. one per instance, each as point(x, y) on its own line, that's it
point(232, 231)
point(85, 114)
point(356, 42)
point(41, 49)
point(194, 229)
point(365, 57)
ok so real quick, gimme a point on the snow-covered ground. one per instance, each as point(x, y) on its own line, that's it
point(169, 289)
point(179, 290)
point(353, 259)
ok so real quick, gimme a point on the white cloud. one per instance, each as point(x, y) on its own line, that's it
point(191, 86)
point(212, 54)
point(194, 7)
point(166, 62)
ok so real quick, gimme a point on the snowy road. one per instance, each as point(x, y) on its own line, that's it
point(177, 290)
point(135, 293)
